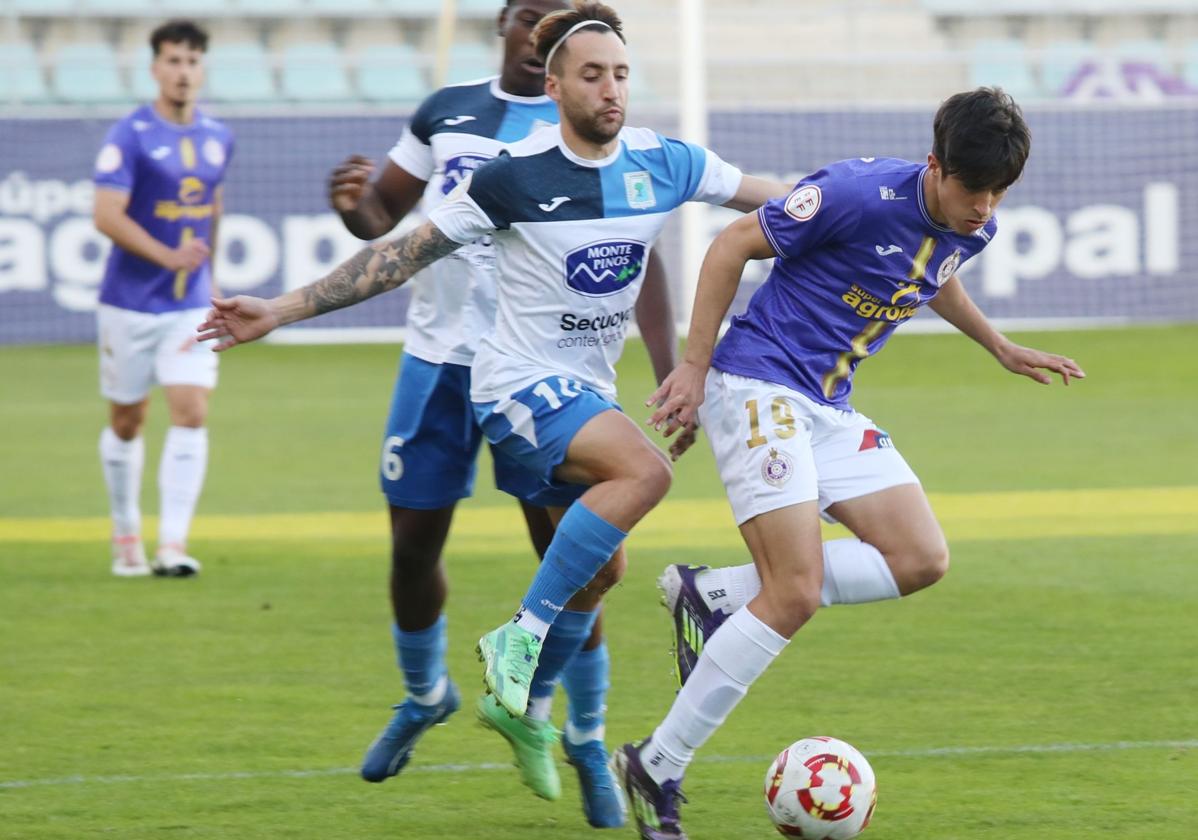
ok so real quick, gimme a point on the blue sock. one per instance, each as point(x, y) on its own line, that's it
point(582, 544)
point(586, 681)
point(565, 638)
point(421, 655)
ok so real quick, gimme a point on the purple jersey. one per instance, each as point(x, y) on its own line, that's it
point(171, 173)
point(858, 254)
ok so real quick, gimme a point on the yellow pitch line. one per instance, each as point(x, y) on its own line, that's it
point(698, 522)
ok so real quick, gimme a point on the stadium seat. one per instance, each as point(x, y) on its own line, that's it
point(21, 75)
point(479, 8)
point(314, 72)
point(87, 73)
point(118, 8)
point(1189, 64)
point(273, 8)
point(1002, 62)
point(136, 64)
point(469, 61)
point(343, 8)
point(240, 73)
point(1060, 61)
point(414, 8)
point(43, 7)
point(390, 74)
point(1143, 51)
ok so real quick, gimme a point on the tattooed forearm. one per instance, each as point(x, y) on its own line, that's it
point(378, 269)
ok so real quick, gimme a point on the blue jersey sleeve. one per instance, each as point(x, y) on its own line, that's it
point(116, 164)
point(491, 189)
point(823, 208)
point(424, 119)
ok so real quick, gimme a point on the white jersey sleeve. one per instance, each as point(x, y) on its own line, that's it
point(413, 155)
point(720, 180)
point(460, 218)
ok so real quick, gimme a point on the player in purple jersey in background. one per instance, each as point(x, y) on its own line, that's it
point(158, 198)
point(858, 247)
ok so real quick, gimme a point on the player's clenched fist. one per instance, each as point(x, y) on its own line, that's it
point(348, 181)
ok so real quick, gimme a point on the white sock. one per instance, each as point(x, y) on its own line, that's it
point(735, 655)
point(180, 477)
point(435, 694)
point(854, 573)
point(581, 736)
point(122, 464)
point(540, 708)
point(527, 621)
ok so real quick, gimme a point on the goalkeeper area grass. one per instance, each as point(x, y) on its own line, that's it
point(1044, 689)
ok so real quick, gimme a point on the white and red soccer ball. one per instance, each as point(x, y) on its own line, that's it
point(820, 789)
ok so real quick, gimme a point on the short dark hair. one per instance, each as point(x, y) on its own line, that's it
point(980, 137)
point(556, 24)
point(180, 32)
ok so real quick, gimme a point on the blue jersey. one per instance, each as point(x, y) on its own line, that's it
point(455, 131)
point(858, 254)
point(571, 237)
point(171, 173)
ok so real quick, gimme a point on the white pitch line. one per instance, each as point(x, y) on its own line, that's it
point(926, 752)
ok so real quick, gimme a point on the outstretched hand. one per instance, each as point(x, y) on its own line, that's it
point(677, 401)
point(237, 320)
point(1033, 363)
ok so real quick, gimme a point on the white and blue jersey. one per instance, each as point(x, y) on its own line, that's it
point(858, 254)
point(431, 440)
point(571, 237)
point(171, 173)
point(454, 131)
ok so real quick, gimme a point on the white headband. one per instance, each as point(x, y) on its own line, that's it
point(569, 32)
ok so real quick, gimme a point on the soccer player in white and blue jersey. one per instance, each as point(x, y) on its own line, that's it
point(158, 198)
point(573, 212)
point(858, 246)
point(431, 439)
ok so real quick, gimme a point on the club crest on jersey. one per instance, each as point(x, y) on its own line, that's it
point(804, 202)
point(458, 169)
point(948, 268)
point(875, 439)
point(638, 188)
point(604, 268)
point(213, 152)
point(777, 468)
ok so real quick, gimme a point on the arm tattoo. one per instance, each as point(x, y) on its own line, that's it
point(377, 269)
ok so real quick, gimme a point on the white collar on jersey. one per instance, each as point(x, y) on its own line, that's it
point(588, 162)
point(500, 93)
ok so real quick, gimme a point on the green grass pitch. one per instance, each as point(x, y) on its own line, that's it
point(1045, 689)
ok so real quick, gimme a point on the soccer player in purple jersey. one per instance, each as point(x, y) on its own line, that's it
point(158, 198)
point(858, 247)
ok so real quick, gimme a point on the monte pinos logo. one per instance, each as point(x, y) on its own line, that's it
point(604, 268)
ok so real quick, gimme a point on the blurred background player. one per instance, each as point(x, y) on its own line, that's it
point(858, 247)
point(431, 440)
point(158, 198)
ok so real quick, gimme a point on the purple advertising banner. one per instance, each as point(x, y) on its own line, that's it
point(1092, 233)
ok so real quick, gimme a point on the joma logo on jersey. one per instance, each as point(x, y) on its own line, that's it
point(604, 268)
point(458, 169)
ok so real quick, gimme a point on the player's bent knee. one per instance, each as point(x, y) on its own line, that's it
point(930, 566)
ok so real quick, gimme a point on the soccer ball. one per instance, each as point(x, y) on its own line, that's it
point(820, 789)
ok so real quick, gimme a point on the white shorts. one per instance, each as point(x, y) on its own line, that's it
point(776, 447)
point(141, 349)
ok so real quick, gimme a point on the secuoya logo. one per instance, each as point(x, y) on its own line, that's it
point(604, 268)
point(457, 169)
